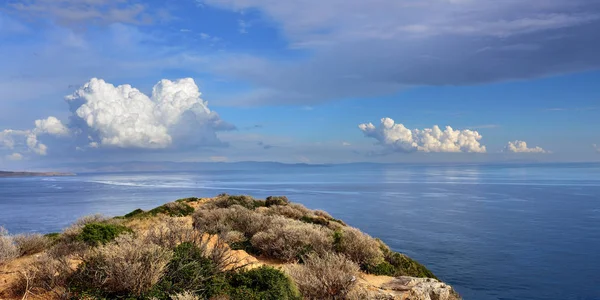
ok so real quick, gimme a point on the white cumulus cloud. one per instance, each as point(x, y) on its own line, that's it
point(104, 115)
point(52, 126)
point(15, 156)
point(521, 147)
point(122, 116)
point(399, 138)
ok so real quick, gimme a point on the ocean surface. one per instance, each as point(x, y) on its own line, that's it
point(492, 231)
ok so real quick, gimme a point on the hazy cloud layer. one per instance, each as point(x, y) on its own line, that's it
point(398, 138)
point(367, 48)
point(108, 116)
point(82, 12)
point(521, 147)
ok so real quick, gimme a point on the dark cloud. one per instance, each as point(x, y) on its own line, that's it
point(362, 48)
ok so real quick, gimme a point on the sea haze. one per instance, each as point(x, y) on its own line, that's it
point(492, 231)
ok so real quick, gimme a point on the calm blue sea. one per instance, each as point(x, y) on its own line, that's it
point(493, 232)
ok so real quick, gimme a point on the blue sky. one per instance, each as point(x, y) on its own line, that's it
point(301, 81)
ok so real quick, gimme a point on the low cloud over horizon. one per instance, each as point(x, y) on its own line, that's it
point(108, 116)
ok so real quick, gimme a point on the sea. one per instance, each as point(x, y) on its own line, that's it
point(494, 232)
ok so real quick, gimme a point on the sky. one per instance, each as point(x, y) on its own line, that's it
point(307, 81)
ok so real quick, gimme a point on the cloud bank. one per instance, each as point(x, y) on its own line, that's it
point(108, 116)
point(521, 147)
point(364, 48)
point(398, 138)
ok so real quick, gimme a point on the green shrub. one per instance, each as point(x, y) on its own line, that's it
point(134, 213)
point(276, 200)
point(53, 236)
point(190, 199)
point(173, 209)
point(226, 201)
point(315, 220)
point(406, 266)
point(383, 268)
point(192, 271)
point(263, 283)
point(95, 234)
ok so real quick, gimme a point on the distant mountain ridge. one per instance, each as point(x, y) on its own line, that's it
point(4, 174)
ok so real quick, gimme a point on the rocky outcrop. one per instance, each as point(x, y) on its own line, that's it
point(422, 288)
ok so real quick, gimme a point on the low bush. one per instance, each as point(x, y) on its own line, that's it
point(276, 200)
point(53, 236)
point(263, 283)
point(315, 220)
point(171, 233)
point(225, 201)
point(406, 266)
point(234, 218)
point(329, 276)
point(358, 247)
point(8, 248)
point(190, 270)
point(135, 213)
point(126, 267)
point(95, 234)
point(289, 240)
point(173, 209)
point(190, 199)
point(31, 243)
point(43, 275)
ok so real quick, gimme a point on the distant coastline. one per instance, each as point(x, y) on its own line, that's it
point(7, 174)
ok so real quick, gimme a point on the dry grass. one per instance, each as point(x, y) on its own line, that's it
point(329, 276)
point(359, 247)
point(127, 266)
point(8, 248)
point(31, 243)
point(172, 232)
point(288, 239)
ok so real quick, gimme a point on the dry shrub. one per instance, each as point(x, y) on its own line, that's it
point(322, 213)
point(359, 247)
point(288, 211)
point(185, 296)
point(171, 233)
point(126, 266)
point(233, 236)
point(288, 239)
point(8, 249)
point(329, 276)
point(31, 243)
point(234, 218)
point(43, 275)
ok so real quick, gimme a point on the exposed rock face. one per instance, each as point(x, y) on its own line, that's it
point(422, 289)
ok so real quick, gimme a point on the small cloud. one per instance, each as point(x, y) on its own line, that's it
point(243, 26)
point(185, 30)
point(346, 144)
point(307, 108)
point(303, 159)
point(396, 137)
point(596, 147)
point(219, 158)
point(204, 36)
point(521, 147)
point(15, 156)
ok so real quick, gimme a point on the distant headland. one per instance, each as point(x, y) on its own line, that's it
point(4, 174)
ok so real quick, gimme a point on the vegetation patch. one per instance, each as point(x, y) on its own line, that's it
point(135, 213)
point(263, 283)
point(173, 209)
point(95, 234)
